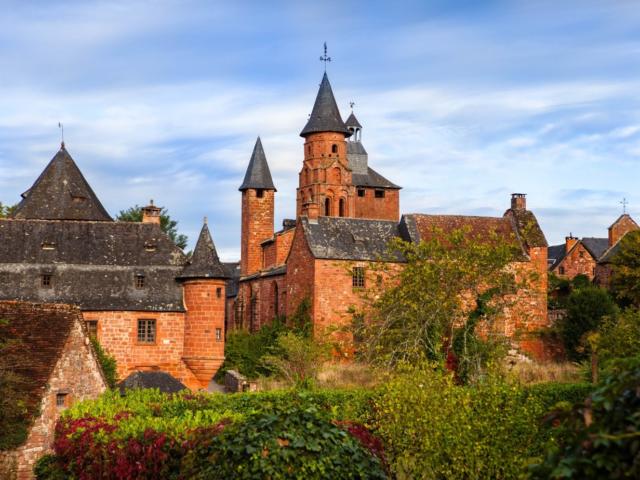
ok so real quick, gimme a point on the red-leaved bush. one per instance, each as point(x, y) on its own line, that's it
point(367, 439)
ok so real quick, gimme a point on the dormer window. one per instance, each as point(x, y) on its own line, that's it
point(78, 198)
point(48, 245)
point(139, 281)
point(46, 280)
point(149, 247)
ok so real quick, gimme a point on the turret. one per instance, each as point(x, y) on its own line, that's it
point(258, 195)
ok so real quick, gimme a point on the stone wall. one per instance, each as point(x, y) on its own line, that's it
point(577, 262)
point(386, 208)
point(257, 226)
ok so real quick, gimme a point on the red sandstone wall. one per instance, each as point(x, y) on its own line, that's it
point(283, 245)
point(269, 254)
point(578, 262)
point(620, 228)
point(76, 373)
point(387, 208)
point(300, 273)
point(257, 226)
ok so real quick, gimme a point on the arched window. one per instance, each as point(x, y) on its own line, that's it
point(275, 299)
point(341, 207)
point(327, 207)
point(334, 148)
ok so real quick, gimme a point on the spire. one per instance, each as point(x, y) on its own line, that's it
point(61, 193)
point(258, 174)
point(325, 116)
point(204, 262)
point(352, 121)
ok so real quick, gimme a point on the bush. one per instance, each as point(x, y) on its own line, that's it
point(600, 437)
point(620, 337)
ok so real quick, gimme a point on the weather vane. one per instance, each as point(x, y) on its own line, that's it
point(351, 104)
point(61, 127)
point(325, 58)
point(624, 204)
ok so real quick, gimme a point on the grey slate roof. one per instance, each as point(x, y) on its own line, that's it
point(93, 264)
point(352, 121)
point(595, 246)
point(258, 174)
point(61, 193)
point(610, 254)
point(372, 179)
point(233, 274)
point(355, 148)
point(342, 238)
point(325, 116)
point(555, 254)
point(155, 379)
point(204, 263)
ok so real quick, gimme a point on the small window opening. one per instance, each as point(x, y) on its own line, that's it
point(379, 194)
point(275, 299)
point(334, 148)
point(561, 270)
point(361, 192)
point(149, 247)
point(92, 328)
point(581, 254)
point(48, 246)
point(260, 193)
point(139, 282)
point(341, 207)
point(146, 331)
point(218, 334)
point(46, 280)
point(327, 207)
point(218, 292)
point(357, 277)
point(61, 400)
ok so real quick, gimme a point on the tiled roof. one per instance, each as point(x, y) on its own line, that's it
point(325, 116)
point(258, 174)
point(555, 254)
point(352, 121)
point(595, 246)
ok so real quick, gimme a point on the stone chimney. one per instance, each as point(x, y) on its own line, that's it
point(311, 211)
point(518, 201)
point(570, 242)
point(151, 213)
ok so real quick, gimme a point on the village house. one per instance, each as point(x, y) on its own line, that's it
point(55, 366)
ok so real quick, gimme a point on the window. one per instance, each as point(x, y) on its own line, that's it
point(48, 246)
point(361, 192)
point(61, 399)
point(218, 334)
point(334, 148)
point(218, 292)
point(46, 280)
point(146, 331)
point(341, 209)
point(260, 193)
point(139, 281)
point(379, 194)
point(581, 254)
point(92, 328)
point(561, 270)
point(357, 277)
point(327, 207)
point(275, 299)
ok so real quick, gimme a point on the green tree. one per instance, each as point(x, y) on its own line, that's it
point(586, 308)
point(424, 312)
point(625, 277)
point(7, 210)
point(619, 337)
point(169, 226)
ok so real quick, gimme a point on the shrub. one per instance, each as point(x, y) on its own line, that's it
point(107, 362)
point(620, 337)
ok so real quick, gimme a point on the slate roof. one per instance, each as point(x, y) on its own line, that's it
point(40, 332)
point(352, 121)
point(204, 263)
point(154, 379)
point(355, 148)
point(233, 275)
point(372, 179)
point(93, 263)
point(325, 116)
point(258, 174)
point(610, 254)
point(595, 246)
point(61, 193)
point(342, 238)
point(555, 254)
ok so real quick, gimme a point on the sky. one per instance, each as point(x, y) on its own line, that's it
point(462, 102)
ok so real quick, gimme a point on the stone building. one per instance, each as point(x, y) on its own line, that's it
point(149, 305)
point(56, 365)
point(589, 256)
point(346, 215)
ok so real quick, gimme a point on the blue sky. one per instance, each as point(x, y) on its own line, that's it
point(462, 103)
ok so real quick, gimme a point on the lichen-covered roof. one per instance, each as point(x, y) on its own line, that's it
point(528, 228)
point(61, 193)
point(373, 179)
point(325, 116)
point(258, 174)
point(93, 264)
point(154, 379)
point(342, 238)
point(204, 263)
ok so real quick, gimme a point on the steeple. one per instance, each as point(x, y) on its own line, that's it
point(325, 116)
point(61, 193)
point(204, 262)
point(258, 175)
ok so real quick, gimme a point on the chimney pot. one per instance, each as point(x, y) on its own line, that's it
point(518, 201)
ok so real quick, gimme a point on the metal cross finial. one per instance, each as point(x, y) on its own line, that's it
point(61, 127)
point(325, 58)
point(624, 204)
point(351, 104)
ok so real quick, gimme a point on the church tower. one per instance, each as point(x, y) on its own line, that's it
point(258, 194)
point(325, 182)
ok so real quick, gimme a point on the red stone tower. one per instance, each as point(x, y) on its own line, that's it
point(325, 180)
point(203, 281)
point(258, 194)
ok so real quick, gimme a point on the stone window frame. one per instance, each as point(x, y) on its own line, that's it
point(62, 398)
point(149, 335)
point(139, 281)
point(46, 280)
point(358, 276)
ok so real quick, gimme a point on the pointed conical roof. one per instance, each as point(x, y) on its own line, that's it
point(325, 116)
point(204, 262)
point(352, 121)
point(61, 193)
point(258, 174)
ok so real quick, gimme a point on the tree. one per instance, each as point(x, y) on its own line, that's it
point(7, 210)
point(625, 277)
point(619, 337)
point(169, 226)
point(428, 311)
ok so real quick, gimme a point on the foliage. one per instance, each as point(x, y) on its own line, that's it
point(625, 277)
point(619, 337)
point(107, 363)
point(414, 315)
point(586, 307)
point(15, 409)
point(7, 210)
point(48, 467)
point(168, 226)
point(433, 428)
point(601, 437)
point(297, 359)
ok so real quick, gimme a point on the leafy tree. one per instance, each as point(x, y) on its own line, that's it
point(619, 337)
point(423, 313)
point(625, 278)
point(7, 210)
point(169, 226)
point(586, 307)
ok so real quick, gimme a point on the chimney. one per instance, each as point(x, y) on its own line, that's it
point(570, 241)
point(518, 201)
point(311, 211)
point(151, 214)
